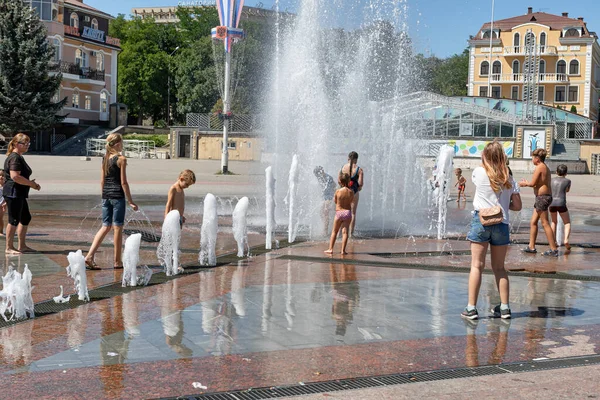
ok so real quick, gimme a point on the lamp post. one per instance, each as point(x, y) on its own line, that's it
point(169, 88)
point(489, 90)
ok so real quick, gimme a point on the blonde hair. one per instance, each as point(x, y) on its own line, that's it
point(188, 176)
point(18, 138)
point(494, 163)
point(111, 141)
point(344, 179)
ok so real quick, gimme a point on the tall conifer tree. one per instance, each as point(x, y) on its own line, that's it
point(26, 89)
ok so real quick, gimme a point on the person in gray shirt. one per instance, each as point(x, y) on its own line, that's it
point(560, 186)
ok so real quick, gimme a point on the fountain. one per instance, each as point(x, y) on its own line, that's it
point(15, 296)
point(76, 270)
point(270, 206)
point(168, 248)
point(131, 258)
point(291, 199)
point(240, 229)
point(336, 91)
point(560, 231)
point(443, 180)
point(208, 233)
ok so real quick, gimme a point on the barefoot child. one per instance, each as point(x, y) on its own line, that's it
point(560, 186)
point(461, 182)
point(176, 199)
point(343, 212)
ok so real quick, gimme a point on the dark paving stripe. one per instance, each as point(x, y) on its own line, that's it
point(115, 289)
point(440, 268)
point(395, 379)
point(407, 254)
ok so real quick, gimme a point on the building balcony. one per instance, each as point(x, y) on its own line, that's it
point(520, 50)
point(81, 73)
point(520, 78)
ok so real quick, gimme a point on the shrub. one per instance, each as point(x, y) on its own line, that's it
point(159, 140)
point(573, 109)
point(160, 124)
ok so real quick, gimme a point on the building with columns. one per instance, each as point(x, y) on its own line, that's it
point(86, 56)
point(564, 58)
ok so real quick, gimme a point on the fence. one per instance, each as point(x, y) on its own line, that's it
point(595, 164)
point(131, 148)
point(212, 122)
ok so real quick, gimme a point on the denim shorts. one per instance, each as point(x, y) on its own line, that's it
point(113, 212)
point(496, 235)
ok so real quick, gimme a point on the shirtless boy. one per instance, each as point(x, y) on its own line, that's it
point(541, 184)
point(176, 199)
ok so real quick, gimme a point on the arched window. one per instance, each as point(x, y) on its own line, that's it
point(56, 46)
point(485, 68)
point(542, 42)
point(542, 70)
point(515, 70)
point(517, 42)
point(75, 98)
point(75, 20)
point(94, 23)
point(99, 61)
point(103, 102)
point(496, 67)
point(574, 67)
point(561, 67)
point(81, 58)
point(486, 34)
point(572, 32)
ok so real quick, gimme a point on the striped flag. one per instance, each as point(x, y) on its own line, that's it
point(230, 13)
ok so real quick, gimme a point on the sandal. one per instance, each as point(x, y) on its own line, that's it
point(118, 266)
point(528, 250)
point(91, 265)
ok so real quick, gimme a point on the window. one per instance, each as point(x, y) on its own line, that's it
point(485, 68)
point(542, 67)
point(46, 10)
point(496, 67)
point(514, 92)
point(231, 145)
point(74, 20)
point(517, 42)
point(574, 67)
point(573, 94)
point(540, 93)
point(56, 46)
point(483, 91)
point(103, 102)
point(561, 67)
point(56, 97)
point(572, 33)
point(75, 103)
point(99, 61)
point(559, 94)
point(515, 70)
point(542, 42)
point(80, 58)
point(486, 34)
point(94, 24)
point(88, 102)
point(496, 92)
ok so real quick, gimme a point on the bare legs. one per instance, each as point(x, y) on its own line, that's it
point(353, 208)
point(21, 231)
point(567, 221)
point(543, 216)
point(337, 225)
point(99, 238)
point(478, 251)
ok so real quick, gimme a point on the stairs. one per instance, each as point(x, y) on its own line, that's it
point(566, 150)
point(76, 145)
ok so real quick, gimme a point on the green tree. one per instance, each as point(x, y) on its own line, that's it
point(451, 76)
point(26, 88)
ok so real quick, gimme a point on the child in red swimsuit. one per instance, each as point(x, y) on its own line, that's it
point(461, 182)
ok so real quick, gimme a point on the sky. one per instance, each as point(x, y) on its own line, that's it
point(437, 27)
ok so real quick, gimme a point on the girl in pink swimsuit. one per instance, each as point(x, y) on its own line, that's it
point(343, 212)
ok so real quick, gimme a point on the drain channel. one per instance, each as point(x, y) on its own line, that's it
point(395, 379)
point(440, 268)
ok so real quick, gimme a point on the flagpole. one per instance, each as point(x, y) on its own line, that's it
point(226, 109)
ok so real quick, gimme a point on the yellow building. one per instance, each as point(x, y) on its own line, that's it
point(568, 73)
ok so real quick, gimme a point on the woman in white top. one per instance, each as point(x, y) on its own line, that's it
point(493, 186)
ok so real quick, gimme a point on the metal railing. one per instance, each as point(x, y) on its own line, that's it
point(520, 50)
point(212, 122)
point(131, 148)
point(520, 78)
point(74, 69)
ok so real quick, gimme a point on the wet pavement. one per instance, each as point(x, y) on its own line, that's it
point(288, 316)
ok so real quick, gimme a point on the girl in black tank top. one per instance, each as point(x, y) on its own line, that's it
point(112, 188)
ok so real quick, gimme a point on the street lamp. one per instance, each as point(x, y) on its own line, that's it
point(169, 88)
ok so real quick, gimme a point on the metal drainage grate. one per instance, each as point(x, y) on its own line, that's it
point(396, 379)
point(440, 268)
point(407, 254)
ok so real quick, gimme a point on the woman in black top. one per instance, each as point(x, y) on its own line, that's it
point(16, 191)
point(115, 190)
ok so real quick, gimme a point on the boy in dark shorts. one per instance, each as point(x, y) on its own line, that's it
point(560, 187)
point(541, 184)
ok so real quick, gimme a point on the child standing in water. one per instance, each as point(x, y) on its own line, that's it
point(176, 199)
point(461, 182)
point(560, 186)
point(343, 199)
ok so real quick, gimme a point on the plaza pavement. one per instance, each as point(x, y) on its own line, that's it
point(292, 315)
